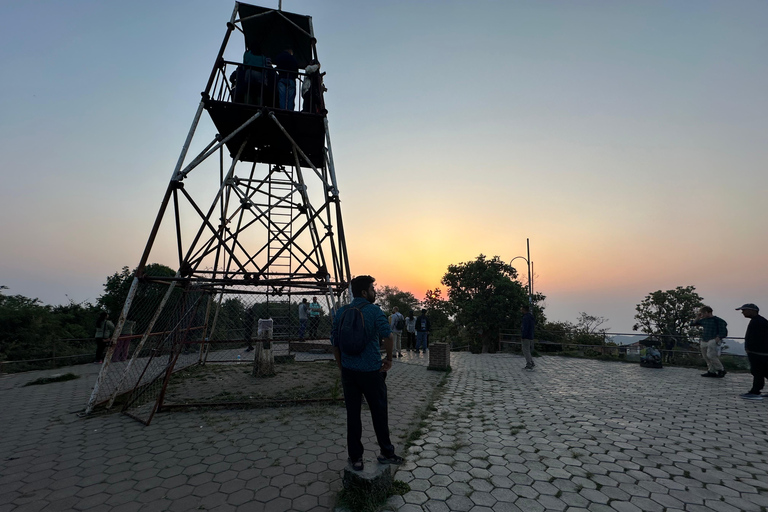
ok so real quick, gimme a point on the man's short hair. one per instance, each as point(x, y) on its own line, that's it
point(526, 308)
point(706, 309)
point(361, 283)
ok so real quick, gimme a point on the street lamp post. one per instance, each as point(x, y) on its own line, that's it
point(529, 263)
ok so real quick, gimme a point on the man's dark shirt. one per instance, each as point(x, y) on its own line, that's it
point(422, 323)
point(713, 327)
point(527, 328)
point(756, 338)
point(287, 66)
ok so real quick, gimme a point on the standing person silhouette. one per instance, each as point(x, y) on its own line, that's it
point(287, 71)
point(363, 374)
point(526, 336)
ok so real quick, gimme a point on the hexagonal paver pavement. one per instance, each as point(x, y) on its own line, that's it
point(571, 435)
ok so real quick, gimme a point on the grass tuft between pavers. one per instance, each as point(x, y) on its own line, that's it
point(357, 500)
point(53, 378)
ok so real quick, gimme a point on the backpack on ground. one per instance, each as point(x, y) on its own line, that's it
point(352, 337)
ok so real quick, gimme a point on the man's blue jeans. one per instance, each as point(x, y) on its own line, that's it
point(421, 340)
point(302, 327)
point(286, 89)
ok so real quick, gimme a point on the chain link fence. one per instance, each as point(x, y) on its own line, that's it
point(169, 328)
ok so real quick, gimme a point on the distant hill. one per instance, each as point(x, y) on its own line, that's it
point(735, 347)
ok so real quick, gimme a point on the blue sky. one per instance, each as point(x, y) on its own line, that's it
point(627, 140)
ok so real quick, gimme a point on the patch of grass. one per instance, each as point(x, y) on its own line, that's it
point(359, 501)
point(53, 378)
point(458, 445)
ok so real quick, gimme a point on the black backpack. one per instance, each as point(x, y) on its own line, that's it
point(352, 337)
point(400, 324)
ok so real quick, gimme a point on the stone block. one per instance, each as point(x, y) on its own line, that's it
point(439, 357)
point(374, 481)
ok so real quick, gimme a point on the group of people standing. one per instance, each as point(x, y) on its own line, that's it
point(309, 313)
point(262, 80)
point(715, 329)
point(416, 331)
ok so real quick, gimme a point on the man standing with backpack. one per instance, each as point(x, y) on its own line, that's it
point(397, 323)
point(357, 329)
point(714, 330)
point(422, 331)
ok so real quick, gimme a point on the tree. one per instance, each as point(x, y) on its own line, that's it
point(484, 296)
point(147, 298)
point(668, 314)
point(588, 330)
point(389, 297)
point(439, 312)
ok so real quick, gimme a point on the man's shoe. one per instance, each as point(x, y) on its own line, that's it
point(392, 459)
point(357, 465)
point(709, 374)
point(721, 374)
point(751, 396)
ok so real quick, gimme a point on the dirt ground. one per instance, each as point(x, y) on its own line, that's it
point(226, 383)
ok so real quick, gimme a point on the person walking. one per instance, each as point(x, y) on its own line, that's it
point(422, 331)
point(410, 331)
point(303, 316)
point(756, 345)
point(103, 335)
point(363, 374)
point(526, 336)
point(397, 324)
point(714, 330)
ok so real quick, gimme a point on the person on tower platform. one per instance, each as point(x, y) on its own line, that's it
point(287, 71)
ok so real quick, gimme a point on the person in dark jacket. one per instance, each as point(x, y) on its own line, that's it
point(287, 71)
point(526, 336)
point(756, 345)
point(422, 331)
point(713, 332)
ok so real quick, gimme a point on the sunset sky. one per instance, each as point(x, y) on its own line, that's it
point(627, 140)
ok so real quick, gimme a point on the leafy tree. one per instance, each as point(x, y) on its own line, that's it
point(147, 297)
point(438, 311)
point(484, 296)
point(388, 297)
point(32, 330)
point(556, 332)
point(588, 330)
point(668, 314)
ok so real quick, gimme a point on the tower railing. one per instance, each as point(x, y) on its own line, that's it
point(236, 82)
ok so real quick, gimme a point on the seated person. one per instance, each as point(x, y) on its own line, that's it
point(652, 356)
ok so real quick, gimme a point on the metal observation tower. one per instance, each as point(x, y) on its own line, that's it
point(251, 218)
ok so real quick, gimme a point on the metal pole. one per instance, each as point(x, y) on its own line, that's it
point(528, 261)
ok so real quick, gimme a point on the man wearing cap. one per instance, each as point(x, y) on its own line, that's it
point(756, 345)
